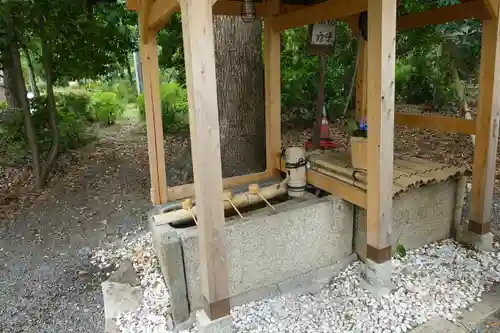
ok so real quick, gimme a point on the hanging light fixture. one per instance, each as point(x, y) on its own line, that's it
point(248, 11)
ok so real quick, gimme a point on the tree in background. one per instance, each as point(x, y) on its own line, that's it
point(240, 87)
point(68, 43)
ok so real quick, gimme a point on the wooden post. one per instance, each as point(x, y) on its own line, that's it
point(272, 73)
point(320, 102)
point(198, 36)
point(380, 77)
point(150, 72)
point(485, 152)
point(361, 83)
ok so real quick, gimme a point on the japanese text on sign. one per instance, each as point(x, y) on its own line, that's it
point(323, 33)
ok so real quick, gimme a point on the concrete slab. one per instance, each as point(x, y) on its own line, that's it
point(205, 325)
point(118, 298)
point(489, 305)
point(438, 325)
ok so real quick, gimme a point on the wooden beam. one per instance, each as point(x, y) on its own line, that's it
point(467, 10)
point(492, 7)
point(161, 12)
point(438, 123)
point(336, 187)
point(328, 10)
point(150, 70)
point(272, 86)
point(361, 83)
point(187, 190)
point(134, 5)
point(233, 8)
point(198, 36)
point(381, 98)
point(487, 121)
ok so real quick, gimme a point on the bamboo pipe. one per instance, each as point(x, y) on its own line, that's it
point(238, 200)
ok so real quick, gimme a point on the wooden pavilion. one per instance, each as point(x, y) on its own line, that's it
point(375, 99)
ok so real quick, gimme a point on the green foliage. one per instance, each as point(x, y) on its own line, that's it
point(400, 249)
point(174, 107)
point(105, 107)
point(14, 144)
point(76, 101)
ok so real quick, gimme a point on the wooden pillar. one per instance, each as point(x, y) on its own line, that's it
point(483, 171)
point(380, 77)
point(152, 101)
point(199, 55)
point(361, 83)
point(272, 74)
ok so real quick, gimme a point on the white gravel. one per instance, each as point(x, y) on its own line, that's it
point(441, 279)
point(153, 315)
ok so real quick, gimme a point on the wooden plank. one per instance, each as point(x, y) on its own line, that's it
point(150, 70)
point(187, 190)
point(204, 128)
point(134, 5)
point(462, 11)
point(487, 121)
point(337, 188)
point(161, 12)
point(492, 7)
point(331, 185)
point(328, 10)
point(381, 98)
point(231, 7)
point(435, 122)
point(272, 86)
point(361, 84)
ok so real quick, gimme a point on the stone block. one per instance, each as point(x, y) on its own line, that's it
point(267, 247)
point(205, 325)
point(169, 251)
point(420, 216)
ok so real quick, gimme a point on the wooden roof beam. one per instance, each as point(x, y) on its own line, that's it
point(492, 7)
point(160, 13)
point(134, 5)
point(328, 10)
point(465, 10)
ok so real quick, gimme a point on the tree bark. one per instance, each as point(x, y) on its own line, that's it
point(31, 72)
point(20, 96)
point(10, 86)
point(51, 108)
point(240, 93)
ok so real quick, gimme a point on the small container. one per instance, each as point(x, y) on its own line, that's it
point(359, 152)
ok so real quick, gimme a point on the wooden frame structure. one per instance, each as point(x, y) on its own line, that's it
point(375, 88)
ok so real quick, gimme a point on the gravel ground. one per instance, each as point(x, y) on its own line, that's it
point(46, 281)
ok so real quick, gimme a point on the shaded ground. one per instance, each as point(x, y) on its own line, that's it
point(97, 197)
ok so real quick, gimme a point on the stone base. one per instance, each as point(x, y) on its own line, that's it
point(377, 278)
point(477, 242)
point(205, 325)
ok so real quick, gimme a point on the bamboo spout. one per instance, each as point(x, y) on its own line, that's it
point(239, 200)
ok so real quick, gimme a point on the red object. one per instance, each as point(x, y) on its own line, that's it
point(325, 141)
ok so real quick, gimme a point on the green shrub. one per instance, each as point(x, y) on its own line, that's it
point(124, 91)
point(174, 107)
point(105, 107)
point(76, 101)
point(14, 144)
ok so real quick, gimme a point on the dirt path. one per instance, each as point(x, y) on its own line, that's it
point(46, 284)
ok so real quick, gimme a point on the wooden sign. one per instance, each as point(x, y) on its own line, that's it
point(321, 38)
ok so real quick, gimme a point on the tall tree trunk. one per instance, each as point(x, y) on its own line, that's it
point(20, 96)
point(240, 93)
point(31, 72)
point(51, 108)
point(129, 75)
point(10, 85)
